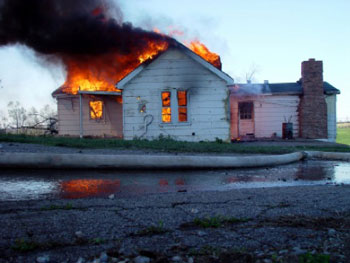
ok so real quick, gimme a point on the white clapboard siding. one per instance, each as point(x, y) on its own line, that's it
point(208, 112)
point(331, 102)
point(270, 111)
point(69, 117)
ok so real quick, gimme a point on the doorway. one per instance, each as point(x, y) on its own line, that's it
point(246, 118)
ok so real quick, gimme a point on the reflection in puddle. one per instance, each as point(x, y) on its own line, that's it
point(88, 188)
point(23, 185)
point(14, 189)
point(342, 174)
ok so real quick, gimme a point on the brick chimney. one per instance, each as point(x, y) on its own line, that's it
point(312, 108)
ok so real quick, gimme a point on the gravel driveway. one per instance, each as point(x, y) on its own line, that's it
point(242, 225)
point(286, 224)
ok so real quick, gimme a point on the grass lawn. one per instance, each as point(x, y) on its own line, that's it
point(343, 135)
point(164, 145)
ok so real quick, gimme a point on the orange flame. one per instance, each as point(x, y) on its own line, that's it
point(96, 109)
point(201, 50)
point(102, 72)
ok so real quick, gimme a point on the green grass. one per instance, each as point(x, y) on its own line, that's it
point(97, 241)
point(343, 135)
point(23, 245)
point(218, 221)
point(316, 258)
point(68, 206)
point(163, 144)
point(152, 230)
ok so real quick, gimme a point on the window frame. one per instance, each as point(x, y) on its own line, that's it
point(103, 110)
point(251, 112)
point(175, 108)
point(178, 106)
point(170, 106)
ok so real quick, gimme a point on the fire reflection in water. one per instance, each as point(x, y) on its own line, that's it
point(35, 184)
point(88, 188)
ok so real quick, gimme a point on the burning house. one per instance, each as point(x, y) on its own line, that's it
point(177, 93)
point(181, 95)
point(127, 82)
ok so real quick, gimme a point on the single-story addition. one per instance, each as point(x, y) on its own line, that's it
point(179, 94)
point(305, 109)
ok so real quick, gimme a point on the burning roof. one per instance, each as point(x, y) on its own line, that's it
point(96, 47)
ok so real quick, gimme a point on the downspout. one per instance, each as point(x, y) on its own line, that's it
point(81, 113)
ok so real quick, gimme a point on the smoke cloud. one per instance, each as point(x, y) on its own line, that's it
point(66, 27)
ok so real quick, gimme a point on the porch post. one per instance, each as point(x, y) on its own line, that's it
point(81, 113)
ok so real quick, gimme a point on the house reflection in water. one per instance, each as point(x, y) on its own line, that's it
point(83, 188)
point(34, 184)
point(302, 172)
point(178, 181)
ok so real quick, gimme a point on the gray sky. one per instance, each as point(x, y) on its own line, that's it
point(275, 36)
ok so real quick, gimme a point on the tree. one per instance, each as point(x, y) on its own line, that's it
point(17, 115)
point(48, 112)
point(249, 76)
point(251, 73)
point(33, 117)
point(3, 120)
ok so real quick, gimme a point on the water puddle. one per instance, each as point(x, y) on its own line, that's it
point(31, 185)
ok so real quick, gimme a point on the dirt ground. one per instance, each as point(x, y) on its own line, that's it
point(284, 224)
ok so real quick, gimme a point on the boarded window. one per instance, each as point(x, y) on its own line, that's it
point(96, 109)
point(245, 110)
point(182, 105)
point(166, 106)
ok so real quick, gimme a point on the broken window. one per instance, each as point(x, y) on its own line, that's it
point(182, 105)
point(166, 106)
point(245, 110)
point(96, 109)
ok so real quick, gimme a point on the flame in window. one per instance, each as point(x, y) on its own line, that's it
point(166, 106)
point(182, 105)
point(96, 110)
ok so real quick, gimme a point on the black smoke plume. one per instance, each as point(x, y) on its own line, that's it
point(70, 27)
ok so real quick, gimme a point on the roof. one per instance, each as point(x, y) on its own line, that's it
point(289, 88)
point(136, 71)
point(59, 92)
point(187, 51)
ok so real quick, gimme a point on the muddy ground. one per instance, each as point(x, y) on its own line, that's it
point(286, 224)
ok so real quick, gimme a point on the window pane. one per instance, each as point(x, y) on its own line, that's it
point(245, 110)
point(166, 99)
point(183, 114)
point(96, 109)
point(166, 114)
point(182, 98)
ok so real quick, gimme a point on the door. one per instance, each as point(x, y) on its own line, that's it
point(246, 118)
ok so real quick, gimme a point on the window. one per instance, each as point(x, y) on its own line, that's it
point(175, 106)
point(166, 106)
point(245, 110)
point(182, 105)
point(96, 109)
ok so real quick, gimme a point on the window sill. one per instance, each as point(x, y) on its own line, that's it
point(171, 124)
